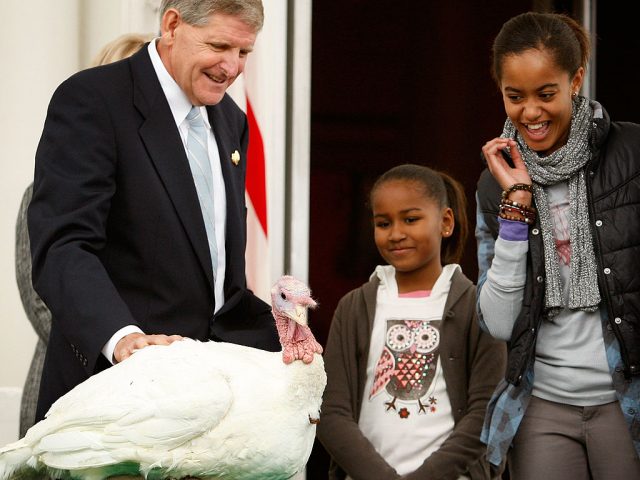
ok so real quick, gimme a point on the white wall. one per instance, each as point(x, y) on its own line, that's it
point(40, 49)
point(43, 43)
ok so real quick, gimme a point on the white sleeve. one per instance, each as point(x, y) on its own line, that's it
point(110, 346)
point(501, 296)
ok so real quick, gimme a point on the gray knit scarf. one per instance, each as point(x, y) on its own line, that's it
point(565, 164)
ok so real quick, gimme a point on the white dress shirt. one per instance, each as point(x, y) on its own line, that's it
point(180, 106)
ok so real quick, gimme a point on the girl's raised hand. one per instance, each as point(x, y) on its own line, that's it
point(504, 174)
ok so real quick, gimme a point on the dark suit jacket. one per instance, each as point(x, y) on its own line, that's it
point(116, 230)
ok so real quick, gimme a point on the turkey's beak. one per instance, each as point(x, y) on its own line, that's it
point(298, 315)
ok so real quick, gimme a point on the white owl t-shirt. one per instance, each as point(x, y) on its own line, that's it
point(406, 412)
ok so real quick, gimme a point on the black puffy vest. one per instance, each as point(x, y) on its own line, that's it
point(613, 187)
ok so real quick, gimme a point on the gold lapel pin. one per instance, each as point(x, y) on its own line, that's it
point(235, 157)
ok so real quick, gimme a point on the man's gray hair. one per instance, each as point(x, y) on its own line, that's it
point(197, 12)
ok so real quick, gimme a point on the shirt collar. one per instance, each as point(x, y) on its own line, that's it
point(178, 101)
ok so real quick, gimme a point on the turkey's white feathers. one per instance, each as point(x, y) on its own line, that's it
point(197, 409)
point(189, 408)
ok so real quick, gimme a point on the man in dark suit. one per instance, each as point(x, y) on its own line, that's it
point(128, 250)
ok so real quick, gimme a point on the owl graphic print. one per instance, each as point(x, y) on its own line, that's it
point(405, 400)
point(407, 365)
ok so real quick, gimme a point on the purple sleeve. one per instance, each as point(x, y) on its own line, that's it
point(513, 230)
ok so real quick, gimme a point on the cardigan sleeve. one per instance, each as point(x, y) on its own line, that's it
point(37, 312)
point(338, 429)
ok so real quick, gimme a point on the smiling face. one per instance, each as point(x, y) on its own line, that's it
point(537, 97)
point(408, 231)
point(205, 60)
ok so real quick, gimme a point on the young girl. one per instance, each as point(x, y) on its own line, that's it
point(559, 254)
point(409, 371)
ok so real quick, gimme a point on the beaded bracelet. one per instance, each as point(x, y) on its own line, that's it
point(516, 186)
point(511, 203)
point(506, 216)
point(526, 215)
point(521, 211)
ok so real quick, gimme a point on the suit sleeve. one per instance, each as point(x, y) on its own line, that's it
point(338, 429)
point(75, 180)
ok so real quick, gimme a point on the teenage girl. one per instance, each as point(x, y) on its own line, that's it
point(559, 255)
point(409, 370)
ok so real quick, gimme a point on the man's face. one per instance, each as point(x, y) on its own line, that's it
point(205, 60)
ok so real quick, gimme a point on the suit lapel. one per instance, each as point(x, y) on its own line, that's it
point(164, 145)
point(234, 186)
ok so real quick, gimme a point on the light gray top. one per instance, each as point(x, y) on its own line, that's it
point(570, 365)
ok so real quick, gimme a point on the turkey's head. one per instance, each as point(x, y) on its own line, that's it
point(290, 301)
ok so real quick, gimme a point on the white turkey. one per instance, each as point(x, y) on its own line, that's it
point(191, 409)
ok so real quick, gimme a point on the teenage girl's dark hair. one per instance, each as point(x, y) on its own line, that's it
point(444, 190)
point(560, 35)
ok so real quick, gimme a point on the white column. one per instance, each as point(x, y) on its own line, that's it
point(589, 22)
point(298, 137)
point(298, 142)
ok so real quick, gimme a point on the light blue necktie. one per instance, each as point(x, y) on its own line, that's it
point(201, 170)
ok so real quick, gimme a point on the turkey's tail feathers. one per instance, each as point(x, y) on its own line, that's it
point(14, 458)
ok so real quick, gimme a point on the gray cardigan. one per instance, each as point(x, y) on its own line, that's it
point(472, 363)
point(37, 313)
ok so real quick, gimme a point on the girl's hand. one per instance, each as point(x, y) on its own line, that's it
point(505, 175)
